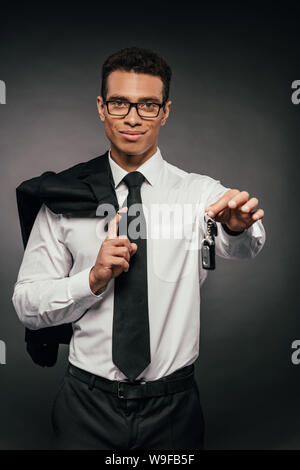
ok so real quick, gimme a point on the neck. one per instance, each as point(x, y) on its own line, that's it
point(129, 161)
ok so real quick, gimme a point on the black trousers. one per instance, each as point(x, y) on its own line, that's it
point(94, 419)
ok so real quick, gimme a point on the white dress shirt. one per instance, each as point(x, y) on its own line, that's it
point(53, 281)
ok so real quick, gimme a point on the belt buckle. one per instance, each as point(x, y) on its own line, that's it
point(119, 390)
point(140, 381)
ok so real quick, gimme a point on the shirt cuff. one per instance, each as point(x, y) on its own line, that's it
point(230, 235)
point(80, 290)
point(231, 232)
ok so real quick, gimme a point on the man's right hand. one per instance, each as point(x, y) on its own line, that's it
point(113, 257)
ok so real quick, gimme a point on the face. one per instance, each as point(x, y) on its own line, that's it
point(133, 87)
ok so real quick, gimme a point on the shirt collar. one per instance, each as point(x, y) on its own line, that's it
point(150, 168)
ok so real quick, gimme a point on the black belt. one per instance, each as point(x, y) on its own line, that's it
point(181, 379)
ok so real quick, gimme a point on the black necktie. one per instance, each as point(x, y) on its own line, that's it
point(131, 338)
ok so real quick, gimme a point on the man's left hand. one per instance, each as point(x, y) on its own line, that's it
point(235, 210)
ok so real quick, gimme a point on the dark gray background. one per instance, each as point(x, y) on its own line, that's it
point(232, 118)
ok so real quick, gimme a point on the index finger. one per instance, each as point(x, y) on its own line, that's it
point(114, 224)
point(221, 203)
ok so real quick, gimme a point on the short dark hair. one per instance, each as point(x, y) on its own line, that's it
point(139, 60)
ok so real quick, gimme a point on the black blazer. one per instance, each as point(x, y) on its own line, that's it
point(76, 191)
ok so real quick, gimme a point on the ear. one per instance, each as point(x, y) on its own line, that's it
point(100, 106)
point(166, 112)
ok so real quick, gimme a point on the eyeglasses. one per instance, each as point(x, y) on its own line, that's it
point(122, 108)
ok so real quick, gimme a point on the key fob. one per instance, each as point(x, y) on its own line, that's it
point(208, 253)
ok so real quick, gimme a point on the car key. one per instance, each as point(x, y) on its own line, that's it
point(208, 253)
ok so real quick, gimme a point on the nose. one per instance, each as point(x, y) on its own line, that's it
point(132, 116)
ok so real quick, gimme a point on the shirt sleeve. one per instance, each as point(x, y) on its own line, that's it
point(44, 293)
point(239, 246)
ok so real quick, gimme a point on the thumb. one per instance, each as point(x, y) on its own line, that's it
point(134, 247)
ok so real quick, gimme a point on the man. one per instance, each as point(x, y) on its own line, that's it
point(133, 301)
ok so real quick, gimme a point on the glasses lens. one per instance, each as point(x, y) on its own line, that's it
point(118, 108)
point(148, 109)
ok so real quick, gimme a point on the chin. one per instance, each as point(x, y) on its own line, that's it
point(131, 148)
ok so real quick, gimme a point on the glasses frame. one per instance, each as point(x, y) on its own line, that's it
point(136, 107)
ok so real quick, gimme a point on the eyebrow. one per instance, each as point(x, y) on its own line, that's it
point(140, 100)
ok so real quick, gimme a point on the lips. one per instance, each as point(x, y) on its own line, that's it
point(132, 135)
